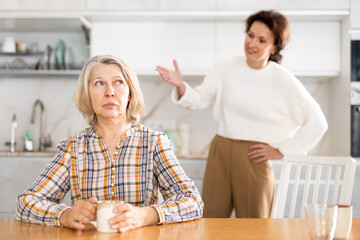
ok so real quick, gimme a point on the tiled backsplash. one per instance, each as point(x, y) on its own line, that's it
point(17, 96)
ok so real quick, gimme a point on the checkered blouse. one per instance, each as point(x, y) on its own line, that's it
point(142, 163)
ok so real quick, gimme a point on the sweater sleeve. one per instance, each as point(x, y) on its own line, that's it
point(182, 200)
point(312, 123)
point(41, 202)
point(201, 96)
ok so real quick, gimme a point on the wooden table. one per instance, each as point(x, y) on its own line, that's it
point(209, 228)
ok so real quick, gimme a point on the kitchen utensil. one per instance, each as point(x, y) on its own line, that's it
point(47, 55)
point(69, 58)
point(60, 54)
point(9, 45)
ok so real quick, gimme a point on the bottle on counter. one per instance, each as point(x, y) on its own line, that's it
point(184, 139)
point(29, 144)
point(172, 133)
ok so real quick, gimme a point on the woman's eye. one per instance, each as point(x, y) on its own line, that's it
point(98, 83)
point(262, 40)
point(119, 82)
point(251, 35)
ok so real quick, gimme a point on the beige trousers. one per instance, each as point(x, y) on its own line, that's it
point(232, 180)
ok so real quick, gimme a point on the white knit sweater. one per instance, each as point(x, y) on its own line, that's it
point(267, 105)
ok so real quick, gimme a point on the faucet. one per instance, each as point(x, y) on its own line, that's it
point(44, 141)
point(12, 142)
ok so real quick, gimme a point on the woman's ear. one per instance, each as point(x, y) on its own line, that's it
point(273, 51)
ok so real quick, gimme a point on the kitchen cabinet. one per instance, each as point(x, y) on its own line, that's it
point(198, 44)
point(196, 39)
point(147, 44)
point(309, 53)
point(355, 14)
point(16, 175)
point(194, 169)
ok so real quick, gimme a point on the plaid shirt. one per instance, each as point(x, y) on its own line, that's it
point(142, 163)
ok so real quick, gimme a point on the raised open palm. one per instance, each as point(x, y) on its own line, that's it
point(173, 77)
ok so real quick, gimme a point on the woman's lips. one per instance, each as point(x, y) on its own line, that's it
point(110, 105)
point(250, 51)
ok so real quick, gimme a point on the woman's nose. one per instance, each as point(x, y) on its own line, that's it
point(252, 43)
point(110, 92)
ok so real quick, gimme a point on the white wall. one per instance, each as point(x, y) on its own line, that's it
point(171, 4)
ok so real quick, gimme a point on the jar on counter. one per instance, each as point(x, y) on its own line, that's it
point(184, 139)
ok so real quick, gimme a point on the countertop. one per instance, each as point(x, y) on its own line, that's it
point(51, 154)
point(27, 154)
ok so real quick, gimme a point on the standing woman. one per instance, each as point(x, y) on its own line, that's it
point(262, 112)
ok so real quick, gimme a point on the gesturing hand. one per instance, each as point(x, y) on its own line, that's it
point(263, 152)
point(131, 217)
point(79, 215)
point(171, 76)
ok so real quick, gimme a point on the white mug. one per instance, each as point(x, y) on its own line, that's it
point(344, 221)
point(9, 45)
point(104, 211)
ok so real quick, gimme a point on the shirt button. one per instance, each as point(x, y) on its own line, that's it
point(113, 169)
point(112, 176)
point(112, 193)
point(112, 184)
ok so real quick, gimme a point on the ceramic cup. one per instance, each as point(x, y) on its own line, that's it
point(321, 220)
point(344, 221)
point(104, 211)
point(9, 45)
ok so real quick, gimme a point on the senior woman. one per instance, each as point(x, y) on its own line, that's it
point(114, 158)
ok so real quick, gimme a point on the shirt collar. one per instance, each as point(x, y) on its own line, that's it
point(90, 133)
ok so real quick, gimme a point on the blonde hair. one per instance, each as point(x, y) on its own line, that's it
point(135, 107)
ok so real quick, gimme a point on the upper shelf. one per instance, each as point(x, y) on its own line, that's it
point(199, 75)
point(212, 15)
point(39, 73)
point(153, 75)
point(19, 54)
point(73, 20)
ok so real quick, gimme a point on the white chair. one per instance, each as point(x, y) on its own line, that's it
point(308, 184)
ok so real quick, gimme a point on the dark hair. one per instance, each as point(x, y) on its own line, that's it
point(279, 26)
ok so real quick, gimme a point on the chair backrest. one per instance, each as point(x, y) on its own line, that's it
point(310, 186)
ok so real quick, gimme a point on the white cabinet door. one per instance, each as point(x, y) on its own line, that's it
point(230, 38)
point(147, 44)
point(355, 14)
point(16, 175)
point(313, 46)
